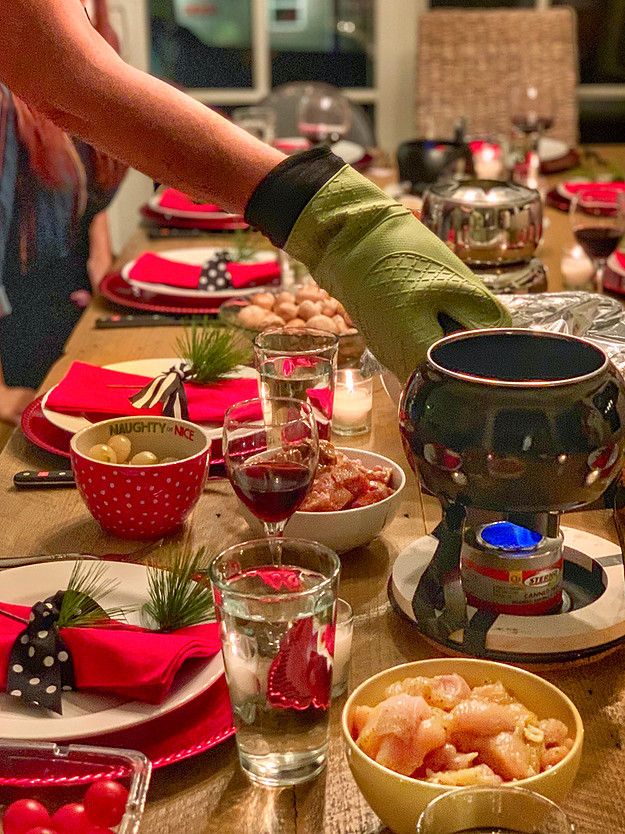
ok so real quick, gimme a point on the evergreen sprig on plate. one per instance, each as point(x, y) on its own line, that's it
point(176, 599)
point(86, 589)
point(211, 352)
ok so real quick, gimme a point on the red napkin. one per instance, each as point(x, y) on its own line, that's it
point(126, 661)
point(154, 269)
point(88, 388)
point(598, 194)
point(177, 201)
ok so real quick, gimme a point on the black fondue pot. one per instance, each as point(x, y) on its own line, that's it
point(515, 420)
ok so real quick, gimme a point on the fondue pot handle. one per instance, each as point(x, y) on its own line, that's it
point(449, 325)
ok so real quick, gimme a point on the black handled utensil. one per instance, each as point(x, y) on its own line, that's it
point(30, 479)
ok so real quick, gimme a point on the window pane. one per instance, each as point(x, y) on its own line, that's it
point(322, 40)
point(601, 28)
point(202, 43)
point(482, 4)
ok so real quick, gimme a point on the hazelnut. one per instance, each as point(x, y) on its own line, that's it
point(285, 298)
point(323, 323)
point(286, 309)
point(263, 299)
point(251, 316)
point(308, 293)
point(329, 307)
point(307, 309)
point(296, 323)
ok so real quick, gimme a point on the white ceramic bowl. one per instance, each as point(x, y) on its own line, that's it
point(399, 800)
point(345, 529)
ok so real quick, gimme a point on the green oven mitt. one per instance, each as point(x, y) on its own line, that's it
point(393, 276)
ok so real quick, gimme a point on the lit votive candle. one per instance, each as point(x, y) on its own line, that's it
point(577, 269)
point(353, 402)
point(342, 647)
point(487, 162)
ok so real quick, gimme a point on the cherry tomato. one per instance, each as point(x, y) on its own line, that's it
point(42, 829)
point(23, 815)
point(71, 819)
point(105, 802)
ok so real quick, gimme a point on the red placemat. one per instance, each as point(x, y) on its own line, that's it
point(40, 431)
point(193, 729)
point(115, 289)
point(613, 282)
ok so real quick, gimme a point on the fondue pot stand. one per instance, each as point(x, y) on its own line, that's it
point(510, 428)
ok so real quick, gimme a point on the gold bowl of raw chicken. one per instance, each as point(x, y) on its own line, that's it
point(305, 305)
point(399, 799)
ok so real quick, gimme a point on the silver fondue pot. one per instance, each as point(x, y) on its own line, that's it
point(485, 222)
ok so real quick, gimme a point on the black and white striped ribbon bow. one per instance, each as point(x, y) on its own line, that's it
point(166, 388)
point(40, 665)
point(215, 275)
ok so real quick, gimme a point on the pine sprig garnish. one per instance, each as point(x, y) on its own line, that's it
point(176, 599)
point(211, 352)
point(242, 249)
point(86, 589)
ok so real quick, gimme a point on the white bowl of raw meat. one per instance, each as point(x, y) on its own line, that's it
point(417, 730)
point(376, 484)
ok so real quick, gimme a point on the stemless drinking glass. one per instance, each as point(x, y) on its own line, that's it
point(277, 633)
point(299, 363)
point(493, 810)
point(271, 450)
point(259, 121)
point(598, 223)
point(324, 116)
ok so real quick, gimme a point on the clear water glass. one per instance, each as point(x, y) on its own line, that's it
point(259, 121)
point(277, 626)
point(493, 810)
point(299, 363)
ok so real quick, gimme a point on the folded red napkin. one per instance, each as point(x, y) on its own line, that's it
point(155, 269)
point(599, 194)
point(126, 661)
point(177, 201)
point(89, 388)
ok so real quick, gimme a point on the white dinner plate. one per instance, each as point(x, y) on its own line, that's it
point(349, 152)
point(197, 257)
point(154, 204)
point(550, 149)
point(86, 714)
point(144, 367)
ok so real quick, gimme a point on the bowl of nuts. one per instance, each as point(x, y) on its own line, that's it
point(306, 305)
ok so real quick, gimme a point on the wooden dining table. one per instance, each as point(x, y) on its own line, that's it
point(209, 792)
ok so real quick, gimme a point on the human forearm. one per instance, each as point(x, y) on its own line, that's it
point(91, 92)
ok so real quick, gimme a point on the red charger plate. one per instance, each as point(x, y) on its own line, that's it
point(193, 729)
point(115, 289)
point(40, 431)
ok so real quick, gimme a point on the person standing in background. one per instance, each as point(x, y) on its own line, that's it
point(54, 237)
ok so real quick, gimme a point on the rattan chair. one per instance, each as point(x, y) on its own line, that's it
point(469, 61)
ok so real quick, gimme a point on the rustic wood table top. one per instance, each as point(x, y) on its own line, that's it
point(209, 793)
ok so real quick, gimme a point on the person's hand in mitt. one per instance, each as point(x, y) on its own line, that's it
point(395, 278)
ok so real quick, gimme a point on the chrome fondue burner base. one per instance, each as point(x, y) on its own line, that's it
point(591, 621)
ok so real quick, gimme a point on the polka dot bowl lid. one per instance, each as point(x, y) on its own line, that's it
point(142, 501)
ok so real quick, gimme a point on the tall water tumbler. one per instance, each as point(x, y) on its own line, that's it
point(277, 626)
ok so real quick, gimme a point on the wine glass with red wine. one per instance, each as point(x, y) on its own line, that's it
point(271, 450)
point(324, 116)
point(533, 112)
point(598, 222)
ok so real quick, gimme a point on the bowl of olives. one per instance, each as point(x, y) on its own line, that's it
point(140, 477)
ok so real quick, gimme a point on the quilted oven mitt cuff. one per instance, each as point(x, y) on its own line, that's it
point(392, 274)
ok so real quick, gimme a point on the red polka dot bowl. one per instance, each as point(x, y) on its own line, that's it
point(142, 501)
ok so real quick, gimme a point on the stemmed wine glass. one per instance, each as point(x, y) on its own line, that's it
point(324, 117)
point(533, 112)
point(271, 450)
point(598, 223)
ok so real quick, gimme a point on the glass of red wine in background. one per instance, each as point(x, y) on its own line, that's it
point(324, 117)
point(533, 112)
point(598, 224)
point(299, 363)
point(271, 451)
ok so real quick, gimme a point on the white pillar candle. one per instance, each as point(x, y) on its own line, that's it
point(342, 647)
point(577, 269)
point(353, 401)
point(487, 162)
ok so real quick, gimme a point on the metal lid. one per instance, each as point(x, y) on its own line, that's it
point(504, 535)
point(484, 193)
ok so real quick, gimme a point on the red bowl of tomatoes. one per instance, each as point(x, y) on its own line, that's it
point(47, 789)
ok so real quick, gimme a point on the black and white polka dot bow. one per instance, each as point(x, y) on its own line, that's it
point(40, 665)
point(166, 388)
point(215, 274)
